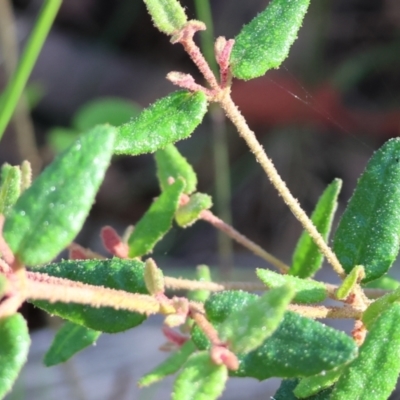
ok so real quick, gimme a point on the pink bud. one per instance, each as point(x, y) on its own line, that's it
point(113, 243)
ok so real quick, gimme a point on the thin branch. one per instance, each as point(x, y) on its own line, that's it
point(187, 284)
point(201, 320)
point(208, 216)
point(248, 135)
point(95, 296)
point(185, 37)
point(326, 312)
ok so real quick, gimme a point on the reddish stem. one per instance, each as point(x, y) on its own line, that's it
point(203, 323)
point(185, 37)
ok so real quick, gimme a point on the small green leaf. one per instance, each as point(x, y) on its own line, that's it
point(59, 138)
point(246, 329)
point(171, 365)
point(369, 230)
point(189, 213)
point(117, 274)
point(14, 346)
point(171, 164)
point(200, 379)
point(385, 282)
point(168, 15)
point(307, 259)
point(49, 214)
point(10, 187)
point(170, 119)
point(307, 290)
point(286, 392)
point(156, 222)
point(69, 340)
point(202, 274)
point(347, 286)
point(108, 110)
point(314, 384)
point(220, 305)
point(379, 306)
point(264, 42)
point(373, 374)
point(153, 278)
point(300, 347)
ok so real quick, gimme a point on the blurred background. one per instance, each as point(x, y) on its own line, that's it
point(334, 101)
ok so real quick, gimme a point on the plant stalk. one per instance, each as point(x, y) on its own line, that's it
point(248, 135)
point(28, 59)
point(220, 144)
point(243, 240)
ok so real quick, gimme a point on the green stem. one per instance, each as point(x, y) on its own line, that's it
point(203, 13)
point(28, 59)
point(220, 143)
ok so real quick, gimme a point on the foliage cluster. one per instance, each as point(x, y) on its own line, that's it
point(224, 330)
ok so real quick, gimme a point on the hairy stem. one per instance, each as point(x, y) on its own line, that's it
point(185, 37)
point(186, 284)
point(206, 326)
point(326, 312)
point(94, 296)
point(248, 135)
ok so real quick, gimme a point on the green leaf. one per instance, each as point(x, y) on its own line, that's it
point(385, 282)
point(379, 306)
point(285, 392)
point(369, 230)
point(156, 222)
point(171, 365)
point(189, 213)
point(202, 274)
point(171, 164)
point(168, 15)
point(373, 374)
point(153, 278)
point(14, 346)
point(200, 379)
point(264, 42)
point(108, 110)
point(347, 286)
point(307, 290)
point(246, 329)
point(316, 347)
point(10, 187)
point(307, 259)
point(218, 307)
point(300, 347)
point(127, 275)
point(314, 384)
point(49, 214)
point(69, 340)
point(168, 120)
